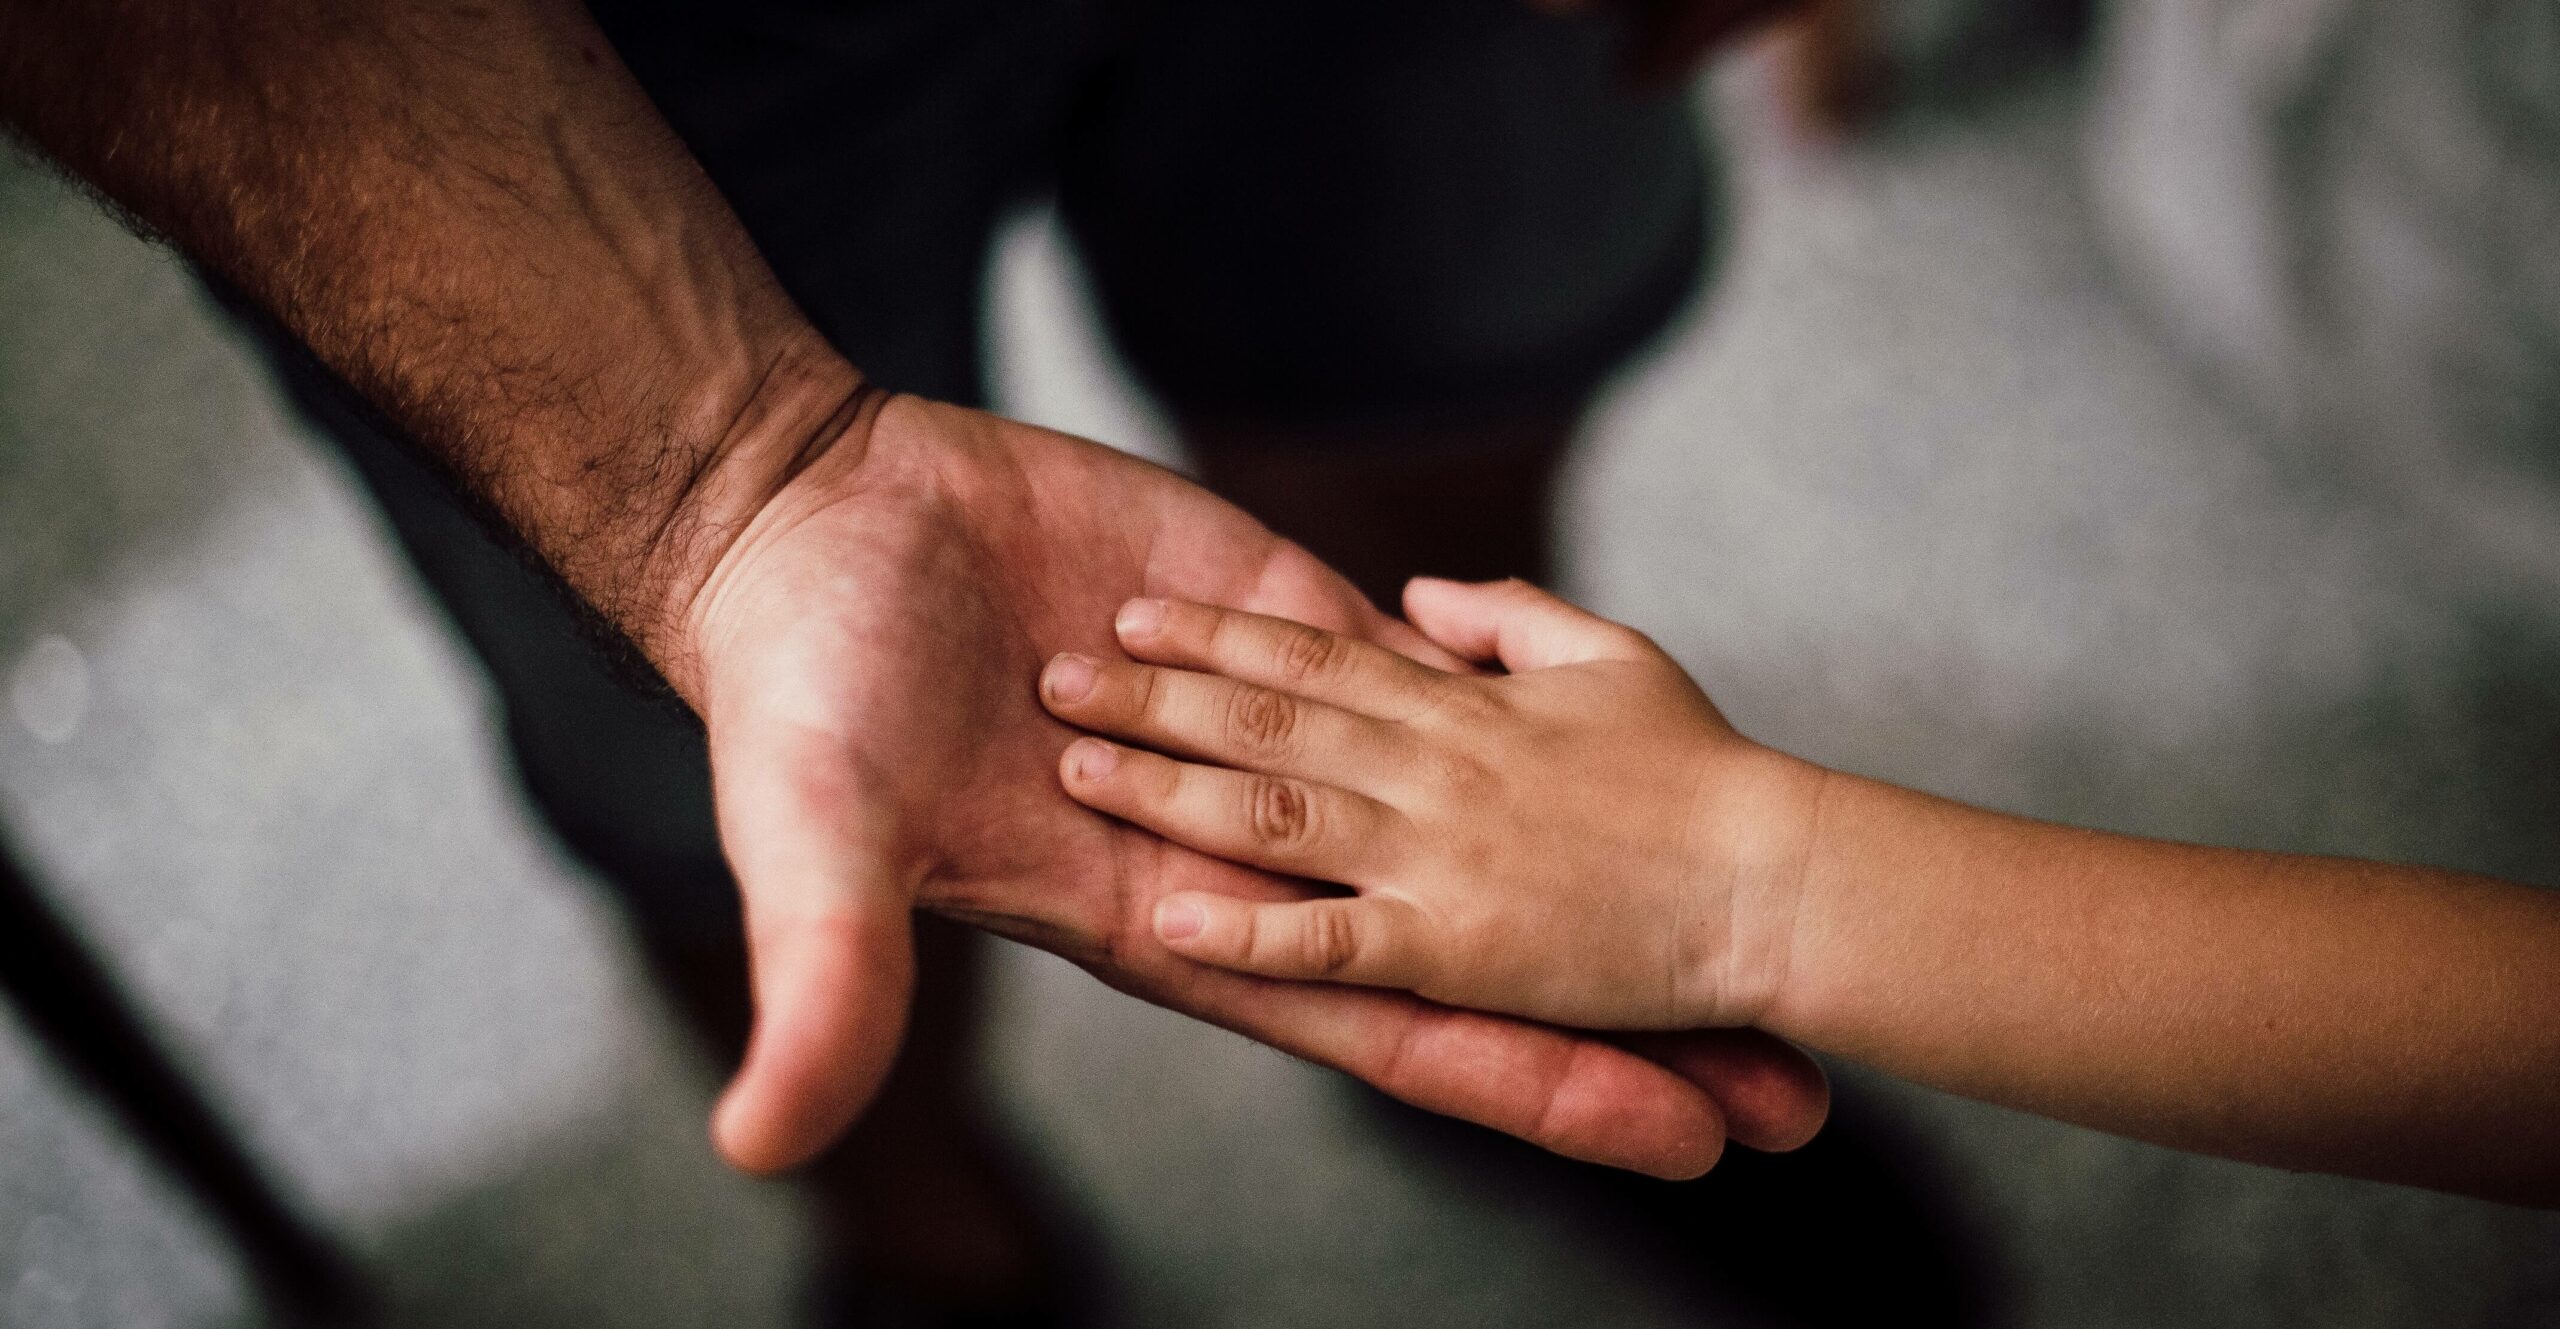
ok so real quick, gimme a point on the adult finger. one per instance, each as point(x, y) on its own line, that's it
point(1775, 1097)
point(1564, 1092)
point(830, 941)
point(1572, 1093)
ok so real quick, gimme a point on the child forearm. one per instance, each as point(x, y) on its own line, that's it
point(2381, 1021)
point(1582, 839)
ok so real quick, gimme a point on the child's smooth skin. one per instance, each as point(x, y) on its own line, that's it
point(1583, 839)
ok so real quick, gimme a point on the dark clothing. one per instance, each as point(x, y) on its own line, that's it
point(1313, 214)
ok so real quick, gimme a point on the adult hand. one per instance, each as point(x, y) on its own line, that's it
point(475, 216)
point(864, 653)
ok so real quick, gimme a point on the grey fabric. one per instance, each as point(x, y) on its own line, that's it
point(2348, 213)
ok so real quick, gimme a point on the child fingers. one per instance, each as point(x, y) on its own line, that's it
point(1277, 653)
point(1265, 821)
point(1517, 623)
point(1221, 720)
point(1367, 940)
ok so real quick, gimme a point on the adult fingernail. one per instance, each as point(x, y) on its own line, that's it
point(1070, 677)
point(1094, 758)
point(1140, 618)
point(1177, 919)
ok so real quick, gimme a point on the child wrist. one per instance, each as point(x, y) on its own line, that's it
point(1752, 836)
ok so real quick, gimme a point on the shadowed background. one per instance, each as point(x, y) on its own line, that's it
point(1921, 489)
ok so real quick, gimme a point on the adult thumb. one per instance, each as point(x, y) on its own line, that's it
point(830, 949)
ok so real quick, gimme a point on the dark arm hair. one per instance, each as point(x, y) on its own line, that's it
point(474, 215)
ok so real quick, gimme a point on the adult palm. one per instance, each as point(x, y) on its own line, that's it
point(866, 650)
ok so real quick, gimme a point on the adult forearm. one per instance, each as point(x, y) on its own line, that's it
point(2327, 1014)
point(475, 216)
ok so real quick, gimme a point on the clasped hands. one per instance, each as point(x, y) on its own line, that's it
point(863, 651)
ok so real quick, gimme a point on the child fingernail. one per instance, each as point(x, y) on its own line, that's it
point(1139, 618)
point(1178, 919)
point(1094, 759)
point(1070, 677)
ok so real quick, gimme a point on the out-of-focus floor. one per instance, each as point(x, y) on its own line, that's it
point(1913, 493)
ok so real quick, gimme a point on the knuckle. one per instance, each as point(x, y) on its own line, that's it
point(1155, 784)
point(1458, 788)
point(1140, 695)
point(1259, 721)
point(1218, 636)
point(1462, 780)
point(1332, 940)
point(1305, 654)
point(1281, 814)
point(1465, 705)
point(1473, 858)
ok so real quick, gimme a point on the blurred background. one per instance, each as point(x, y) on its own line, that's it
point(2149, 419)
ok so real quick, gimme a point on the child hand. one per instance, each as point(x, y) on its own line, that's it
point(1582, 840)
